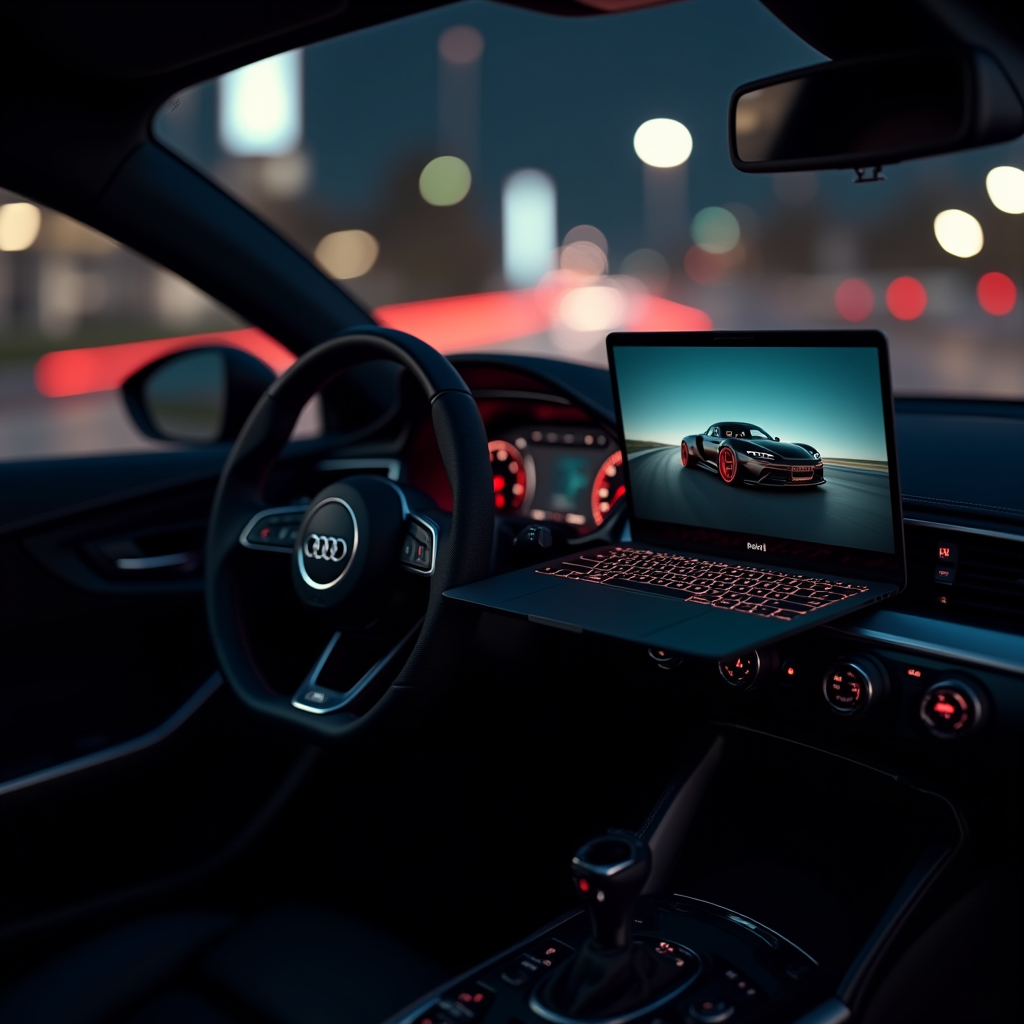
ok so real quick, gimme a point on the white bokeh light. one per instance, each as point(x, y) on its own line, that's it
point(959, 233)
point(662, 142)
point(260, 107)
point(1005, 187)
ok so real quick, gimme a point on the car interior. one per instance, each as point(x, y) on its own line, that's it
point(255, 766)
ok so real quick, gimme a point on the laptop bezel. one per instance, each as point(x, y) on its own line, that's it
point(880, 566)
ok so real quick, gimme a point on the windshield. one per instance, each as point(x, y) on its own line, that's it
point(745, 430)
point(490, 178)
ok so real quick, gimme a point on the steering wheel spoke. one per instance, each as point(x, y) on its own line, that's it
point(316, 694)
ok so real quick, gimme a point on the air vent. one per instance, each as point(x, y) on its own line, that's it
point(987, 575)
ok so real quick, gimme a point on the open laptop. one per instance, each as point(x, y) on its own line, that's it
point(763, 497)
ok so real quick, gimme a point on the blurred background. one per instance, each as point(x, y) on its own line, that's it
point(491, 178)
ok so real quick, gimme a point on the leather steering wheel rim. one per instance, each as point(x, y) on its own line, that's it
point(463, 558)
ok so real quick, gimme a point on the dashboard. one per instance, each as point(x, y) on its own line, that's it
point(557, 473)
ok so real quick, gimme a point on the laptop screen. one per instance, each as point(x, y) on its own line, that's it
point(775, 446)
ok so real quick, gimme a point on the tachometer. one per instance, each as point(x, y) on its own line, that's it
point(508, 470)
point(609, 488)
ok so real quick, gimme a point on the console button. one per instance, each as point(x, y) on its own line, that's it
point(466, 1003)
point(711, 1011)
point(741, 671)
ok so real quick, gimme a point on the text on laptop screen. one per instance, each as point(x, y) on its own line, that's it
point(770, 441)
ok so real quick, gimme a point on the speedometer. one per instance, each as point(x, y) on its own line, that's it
point(508, 472)
point(609, 488)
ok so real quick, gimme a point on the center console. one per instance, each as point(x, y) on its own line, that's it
point(766, 896)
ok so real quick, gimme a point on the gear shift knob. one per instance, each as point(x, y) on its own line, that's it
point(609, 874)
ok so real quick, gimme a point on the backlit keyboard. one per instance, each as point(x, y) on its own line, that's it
point(739, 588)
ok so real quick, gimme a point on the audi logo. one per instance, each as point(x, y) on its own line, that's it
point(326, 549)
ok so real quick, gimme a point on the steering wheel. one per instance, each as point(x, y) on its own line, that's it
point(352, 543)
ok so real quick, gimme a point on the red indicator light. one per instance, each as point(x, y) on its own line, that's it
point(943, 552)
point(997, 294)
point(478, 998)
point(499, 483)
point(265, 532)
point(550, 951)
point(944, 708)
point(499, 501)
point(790, 671)
point(943, 599)
point(465, 997)
point(584, 885)
point(906, 298)
point(914, 672)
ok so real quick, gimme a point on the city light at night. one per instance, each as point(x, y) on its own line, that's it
point(662, 142)
point(715, 230)
point(1005, 187)
point(260, 108)
point(529, 227)
point(445, 181)
point(19, 226)
point(959, 233)
point(347, 254)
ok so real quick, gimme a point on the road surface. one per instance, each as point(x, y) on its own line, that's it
point(851, 508)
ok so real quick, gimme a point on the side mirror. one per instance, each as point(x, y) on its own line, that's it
point(199, 396)
point(776, 439)
point(866, 113)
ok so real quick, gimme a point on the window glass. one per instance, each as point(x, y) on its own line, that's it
point(79, 314)
point(493, 178)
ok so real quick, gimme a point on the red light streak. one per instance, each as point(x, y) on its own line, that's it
point(449, 325)
point(82, 371)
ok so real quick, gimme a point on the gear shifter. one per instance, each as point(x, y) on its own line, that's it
point(612, 975)
point(609, 874)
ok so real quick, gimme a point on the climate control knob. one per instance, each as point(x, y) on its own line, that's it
point(854, 685)
point(951, 709)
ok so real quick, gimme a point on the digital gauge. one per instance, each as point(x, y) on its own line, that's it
point(508, 471)
point(609, 488)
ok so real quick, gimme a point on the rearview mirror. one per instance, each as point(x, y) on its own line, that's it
point(866, 113)
point(199, 396)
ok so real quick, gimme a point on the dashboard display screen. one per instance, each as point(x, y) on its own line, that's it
point(766, 441)
point(566, 475)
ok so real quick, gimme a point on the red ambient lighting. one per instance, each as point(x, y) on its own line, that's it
point(82, 371)
point(906, 298)
point(855, 300)
point(449, 325)
point(997, 294)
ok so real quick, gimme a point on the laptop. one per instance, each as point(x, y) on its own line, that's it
point(762, 495)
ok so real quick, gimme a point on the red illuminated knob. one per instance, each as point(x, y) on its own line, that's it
point(951, 709)
point(852, 686)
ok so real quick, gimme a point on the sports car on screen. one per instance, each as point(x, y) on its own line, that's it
point(744, 453)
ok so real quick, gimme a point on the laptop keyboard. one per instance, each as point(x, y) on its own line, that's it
point(738, 588)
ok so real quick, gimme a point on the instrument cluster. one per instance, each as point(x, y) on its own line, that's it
point(557, 473)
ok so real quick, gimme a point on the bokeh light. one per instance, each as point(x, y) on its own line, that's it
point(595, 308)
point(959, 233)
point(460, 44)
point(347, 254)
point(586, 233)
point(715, 230)
point(662, 142)
point(19, 226)
point(584, 258)
point(445, 181)
point(260, 109)
point(1005, 187)
point(529, 226)
point(854, 300)
point(906, 298)
point(997, 294)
